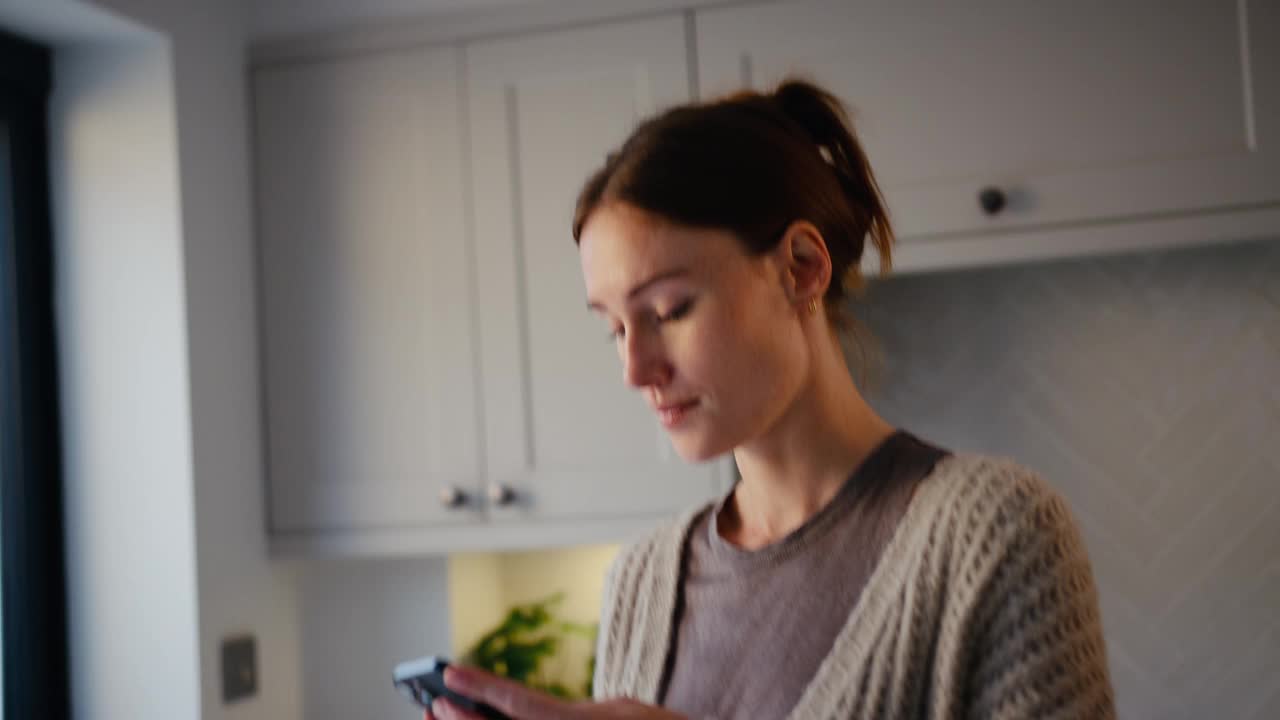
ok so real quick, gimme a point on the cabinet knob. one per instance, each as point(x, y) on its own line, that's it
point(992, 200)
point(452, 496)
point(501, 494)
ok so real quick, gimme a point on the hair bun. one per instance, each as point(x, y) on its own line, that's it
point(820, 115)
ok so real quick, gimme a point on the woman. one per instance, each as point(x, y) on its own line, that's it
point(855, 570)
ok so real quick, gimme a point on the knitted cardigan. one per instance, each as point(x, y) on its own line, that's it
point(982, 606)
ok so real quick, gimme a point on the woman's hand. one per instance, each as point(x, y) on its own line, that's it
point(521, 703)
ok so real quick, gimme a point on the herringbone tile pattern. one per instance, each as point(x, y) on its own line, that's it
point(1147, 389)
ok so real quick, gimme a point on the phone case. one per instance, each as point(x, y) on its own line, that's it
point(422, 680)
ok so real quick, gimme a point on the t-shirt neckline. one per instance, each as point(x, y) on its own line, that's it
point(846, 498)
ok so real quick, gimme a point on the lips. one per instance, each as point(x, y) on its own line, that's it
point(673, 414)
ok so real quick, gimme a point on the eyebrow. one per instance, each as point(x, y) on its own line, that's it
point(654, 280)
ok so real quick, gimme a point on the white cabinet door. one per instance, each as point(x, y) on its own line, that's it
point(368, 305)
point(1079, 112)
point(562, 430)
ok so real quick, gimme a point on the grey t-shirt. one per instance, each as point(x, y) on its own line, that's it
point(753, 626)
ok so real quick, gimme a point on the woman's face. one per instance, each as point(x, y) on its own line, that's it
point(704, 331)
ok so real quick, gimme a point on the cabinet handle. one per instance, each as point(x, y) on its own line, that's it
point(501, 494)
point(992, 200)
point(452, 496)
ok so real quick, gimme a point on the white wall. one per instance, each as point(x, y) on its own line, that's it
point(240, 590)
point(125, 404)
point(157, 329)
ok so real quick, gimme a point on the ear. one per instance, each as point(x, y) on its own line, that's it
point(804, 262)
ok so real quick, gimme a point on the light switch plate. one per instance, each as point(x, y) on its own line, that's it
point(239, 668)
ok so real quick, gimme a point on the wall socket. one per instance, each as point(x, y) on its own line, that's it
point(239, 668)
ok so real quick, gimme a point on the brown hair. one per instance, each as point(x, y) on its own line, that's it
point(753, 163)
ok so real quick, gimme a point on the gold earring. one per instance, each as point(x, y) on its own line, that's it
point(813, 305)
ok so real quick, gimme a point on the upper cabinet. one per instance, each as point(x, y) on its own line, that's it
point(433, 379)
point(564, 437)
point(368, 299)
point(1096, 122)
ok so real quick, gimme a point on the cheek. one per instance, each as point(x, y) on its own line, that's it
point(747, 352)
point(746, 363)
point(769, 330)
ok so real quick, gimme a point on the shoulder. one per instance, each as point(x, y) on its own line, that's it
point(985, 504)
point(1023, 601)
point(1003, 537)
point(973, 484)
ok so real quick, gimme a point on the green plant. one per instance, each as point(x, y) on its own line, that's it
point(522, 645)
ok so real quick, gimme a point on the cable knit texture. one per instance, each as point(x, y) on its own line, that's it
point(982, 606)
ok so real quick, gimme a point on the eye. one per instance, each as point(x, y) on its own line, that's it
point(654, 318)
point(677, 312)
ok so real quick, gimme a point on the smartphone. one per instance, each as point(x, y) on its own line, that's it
point(423, 681)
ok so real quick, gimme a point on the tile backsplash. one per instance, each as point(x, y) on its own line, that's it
point(1147, 390)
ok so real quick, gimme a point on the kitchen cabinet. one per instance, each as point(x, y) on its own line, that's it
point(562, 432)
point(1094, 126)
point(434, 381)
point(368, 298)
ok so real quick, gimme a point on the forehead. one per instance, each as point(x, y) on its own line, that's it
point(622, 246)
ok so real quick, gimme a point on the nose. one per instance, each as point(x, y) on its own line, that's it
point(644, 364)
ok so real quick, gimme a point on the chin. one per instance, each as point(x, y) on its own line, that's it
point(694, 449)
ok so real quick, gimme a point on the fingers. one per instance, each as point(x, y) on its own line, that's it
point(442, 709)
point(512, 698)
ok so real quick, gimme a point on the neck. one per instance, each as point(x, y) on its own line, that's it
point(797, 467)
